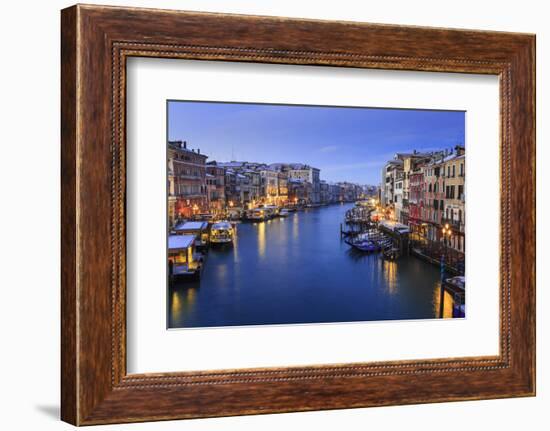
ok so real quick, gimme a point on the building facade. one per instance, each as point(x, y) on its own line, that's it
point(426, 191)
point(215, 182)
point(454, 207)
point(187, 189)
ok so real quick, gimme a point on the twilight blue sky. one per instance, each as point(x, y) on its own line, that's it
point(347, 144)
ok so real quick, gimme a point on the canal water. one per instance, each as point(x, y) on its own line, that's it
point(298, 270)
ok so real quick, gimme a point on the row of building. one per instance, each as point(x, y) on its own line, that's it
point(426, 192)
point(196, 185)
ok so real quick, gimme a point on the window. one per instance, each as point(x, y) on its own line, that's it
point(462, 169)
point(430, 188)
point(448, 171)
point(441, 204)
point(454, 170)
point(461, 192)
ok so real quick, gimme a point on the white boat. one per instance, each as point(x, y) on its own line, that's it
point(284, 213)
point(222, 233)
point(257, 214)
point(270, 210)
point(394, 227)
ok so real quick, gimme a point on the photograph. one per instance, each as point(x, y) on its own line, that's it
point(261, 210)
point(295, 214)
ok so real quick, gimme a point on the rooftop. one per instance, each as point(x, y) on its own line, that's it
point(182, 146)
point(176, 242)
point(192, 225)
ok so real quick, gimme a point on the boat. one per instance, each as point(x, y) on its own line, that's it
point(184, 262)
point(256, 214)
point(204, 217)
point(456, 286)
point(222, 233)
point(367, 246)
point(197, 228)
point(270, 210)
point(284, 213)
point(394, 227)
point(364, 245)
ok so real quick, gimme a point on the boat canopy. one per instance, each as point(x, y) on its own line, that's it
point(221, 225)
point(394, 226)
point(180, 242)
point(192, 225)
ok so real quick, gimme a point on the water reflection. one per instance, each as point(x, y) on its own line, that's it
point(261, 238)
point(390, 273)
point(448, 302)
point(297, 270)
point(181, 303)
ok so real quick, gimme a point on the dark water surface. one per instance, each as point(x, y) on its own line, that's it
point(298, 270)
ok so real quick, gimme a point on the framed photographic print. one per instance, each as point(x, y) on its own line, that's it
point(279, 215)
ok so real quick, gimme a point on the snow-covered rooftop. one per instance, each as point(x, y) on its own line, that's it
point(192, 225)
point(176, 242)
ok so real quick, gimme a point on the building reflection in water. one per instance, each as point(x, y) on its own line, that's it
point(182, 303)
point(261, 239)
point(295, 228)
point(235, 248)
point(390, 275)
point(448, 302)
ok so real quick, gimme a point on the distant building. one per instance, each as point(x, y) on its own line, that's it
point(254, 186)
point(187, 190)
point(282, 183)
point(390, 173)
point(324, 192)
point(309, 174)
point(349, 192)
point(416, 202)
point(215, 183)
point(270, 185)
point(299, 191)
point(410, 162)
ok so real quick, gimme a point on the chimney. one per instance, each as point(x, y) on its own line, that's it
point(199, 150)
point(185, 144)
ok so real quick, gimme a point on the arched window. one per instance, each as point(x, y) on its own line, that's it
point(430, 188)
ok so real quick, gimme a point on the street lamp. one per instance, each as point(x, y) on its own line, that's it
point(446, 232)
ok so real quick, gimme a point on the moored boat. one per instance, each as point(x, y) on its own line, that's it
point(222, 233)
point(365, 245)
point(184, 263)
point(257, 214)
point(199, 229)
point(284, 213)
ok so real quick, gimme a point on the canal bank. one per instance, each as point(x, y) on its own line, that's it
point(298, 270)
